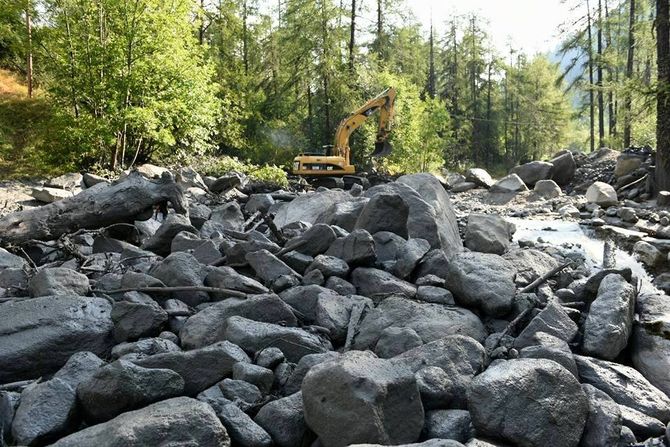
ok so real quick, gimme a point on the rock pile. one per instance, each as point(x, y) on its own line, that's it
point(351, 318)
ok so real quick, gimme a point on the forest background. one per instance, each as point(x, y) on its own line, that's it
point(110, 83)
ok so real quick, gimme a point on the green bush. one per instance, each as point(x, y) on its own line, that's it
point(218, 166)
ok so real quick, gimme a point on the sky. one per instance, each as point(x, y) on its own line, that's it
point(531, 25)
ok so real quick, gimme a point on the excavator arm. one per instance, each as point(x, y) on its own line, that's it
point(385, 103)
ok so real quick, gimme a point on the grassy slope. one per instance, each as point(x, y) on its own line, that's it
point(24, 130)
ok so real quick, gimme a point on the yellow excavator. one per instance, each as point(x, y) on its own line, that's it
point(336, 161)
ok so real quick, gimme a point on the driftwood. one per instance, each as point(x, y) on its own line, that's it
point(539, 281)
point(96, 207)
point(230, 292)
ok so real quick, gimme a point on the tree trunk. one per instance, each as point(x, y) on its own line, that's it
point(611, 128)
point(601, 102)
point(201, 30)
point(431, 64)
point(590, 55)
point(380, 46)
point(29, 57)
point(93, 208)
point(629, 75)
point(245, 37)
point(663, 96)
point(352, 35)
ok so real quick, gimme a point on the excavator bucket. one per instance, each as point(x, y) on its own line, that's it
point(382, 149)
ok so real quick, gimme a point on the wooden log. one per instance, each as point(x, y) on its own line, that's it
point(93, 208)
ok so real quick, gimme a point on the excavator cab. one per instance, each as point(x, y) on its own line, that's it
point(336, 160)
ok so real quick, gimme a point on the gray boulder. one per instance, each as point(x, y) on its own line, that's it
point(9, 402)
point(47, 410)
point(314, 241)
point(408, 257)
point(482, 280)
point(488, 233)
point(122, 386)
point(384, 212)
point(396, 340)
point(551, 348)
point(547, 189)
point(57, 325)
point(448, 424)
point(533, 172)
point(209, 325)
point(242, 429)
point(378, 284)
point(625, 385)
point(228, 278)
point(66, 181)
point(227, 182)
point(432, 294)
point(329, 266)
point(552, 320)
point(430, 321)
point(564, 168)
point(642, 426)
point(510, 184)
point(431, 216)
point(602, 194)
point(651, 348)
point(200, 368)
point(262, 378)
point(9, 260)
point(389, 411)
point(143, 348)
point(302, 368)
point(529, 402)
point(603, 425)
point(244, 395)
point(343, 214)
point(254, 336)
point(530, 264)
point(229, 216)
point(284, 420)
point(58, 281)
point(137, 315)
point(259, 202)
point(435, 262)
point(270, 269)
point(479, 177)
point(182, 269)
point(309, 207)
point(610, 319)
point(357, 248)
point(177, 421)
point(160, 243)
point(460, 358)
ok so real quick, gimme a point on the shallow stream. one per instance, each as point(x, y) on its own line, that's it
point(558, 232)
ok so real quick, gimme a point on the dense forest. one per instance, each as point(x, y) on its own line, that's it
point(124, 81)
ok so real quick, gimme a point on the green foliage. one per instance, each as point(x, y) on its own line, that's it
point(133, 84)
point(218, 166)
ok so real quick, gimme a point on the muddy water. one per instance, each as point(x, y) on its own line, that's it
point(558, 232)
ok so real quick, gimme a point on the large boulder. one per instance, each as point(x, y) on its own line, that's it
point(209, 325)
point(182, 269)
point(488, 233)
point(533, 172)
point(602, 194)
point(228, 278)
point(651, 346)
point(360, 398)
point(309, 207)
point(547, 189)
point(610, 319)
point(11, 261)
point(284, 420)
point(229, 216)
point(431, 190)
point(529, 402)
point(564, 168)
point(179, 421)
point(200, 368)
point(625, 385)
point(122, 386)
point(272, 270)
point(312, 242)
point(161, 242)
point(530, 263)
point(356, 248)
point(482, 280)
point(242, 429)
point(254, 336)
point(384, 212)
point(343, 214)
point(431, 321)
point(39, 335)
point(431, 216)
point(306, 363)
point(552, 320)
point(510, 184)
point(378, 284)
point(603, 425)
point(48, 410)
point(58, 281)
point(479, 177)
point(136, 316)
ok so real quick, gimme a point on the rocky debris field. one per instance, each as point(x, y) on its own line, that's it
point(197, 311)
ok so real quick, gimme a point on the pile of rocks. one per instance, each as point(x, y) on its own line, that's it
point(350, 318)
